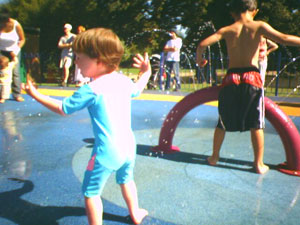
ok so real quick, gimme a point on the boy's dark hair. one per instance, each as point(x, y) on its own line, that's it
point(240, 6)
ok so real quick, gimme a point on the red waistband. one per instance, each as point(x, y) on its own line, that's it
point(251, 77)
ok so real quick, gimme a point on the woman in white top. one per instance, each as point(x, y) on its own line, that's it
point(12, 39)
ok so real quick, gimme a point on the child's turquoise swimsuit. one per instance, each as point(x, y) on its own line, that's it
point(108, 100)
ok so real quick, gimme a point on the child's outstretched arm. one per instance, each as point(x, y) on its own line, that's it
point(144, 65)
point(204, 44)
point(51, 103)
point(281, 38)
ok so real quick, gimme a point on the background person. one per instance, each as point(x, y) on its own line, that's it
point(12, 39)
point(78, 78)
point(266, 46)
point(66, 58)
point(172, 61)
point(6, 70)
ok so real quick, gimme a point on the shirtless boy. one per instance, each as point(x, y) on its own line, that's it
point(241, 105)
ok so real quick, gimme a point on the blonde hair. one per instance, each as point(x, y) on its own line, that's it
point(102, 44)
point(80, 29)
point(3, 62)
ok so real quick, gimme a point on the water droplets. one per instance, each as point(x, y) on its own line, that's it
point(283, 69)
point(196, 121)
point(35, 115)
point(156, 154)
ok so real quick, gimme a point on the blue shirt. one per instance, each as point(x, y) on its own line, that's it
point(108, 100)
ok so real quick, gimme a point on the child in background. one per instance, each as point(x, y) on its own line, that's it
point(108, 100)
point(78, 78)
point(241, 102)
point(266, 46)
point(6, 70)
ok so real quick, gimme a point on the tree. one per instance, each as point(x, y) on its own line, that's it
point(143, 25)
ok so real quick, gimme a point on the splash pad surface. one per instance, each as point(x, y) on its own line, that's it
point(50, 153)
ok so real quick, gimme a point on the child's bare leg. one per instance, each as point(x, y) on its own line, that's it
point(129, 192)
point(257, 138)
point(218, 140)
point(94, 210)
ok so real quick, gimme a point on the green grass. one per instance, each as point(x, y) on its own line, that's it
point(188, 86)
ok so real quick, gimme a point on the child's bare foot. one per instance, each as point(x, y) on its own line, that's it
point(261, 169)
point(139, 216)
point(2, 100)
point(212, 160)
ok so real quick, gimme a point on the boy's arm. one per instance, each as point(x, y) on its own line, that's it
point(52, 104)
point(144, 65)
point(205, 43)
point(285, 39)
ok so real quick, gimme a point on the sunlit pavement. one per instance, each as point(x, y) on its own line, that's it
point(43, 157)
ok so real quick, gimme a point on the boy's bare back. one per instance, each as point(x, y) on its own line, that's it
point(242, 40)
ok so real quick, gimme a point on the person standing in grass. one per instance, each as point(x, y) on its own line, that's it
point(66, 59)
point(172, 48)
point(78, 78)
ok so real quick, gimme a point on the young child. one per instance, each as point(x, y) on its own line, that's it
point(79, 79)
point(6, 70)
point(266, 46)
point(241, 105)
point(108, 100)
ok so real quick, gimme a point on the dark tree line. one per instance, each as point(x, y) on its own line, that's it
point(143, 23)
